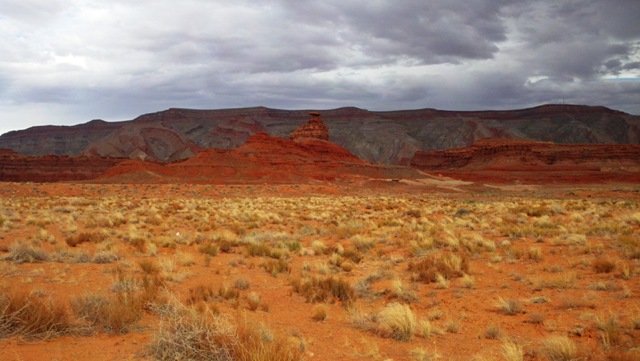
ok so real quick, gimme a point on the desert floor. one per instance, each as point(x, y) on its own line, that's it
point(319, 272)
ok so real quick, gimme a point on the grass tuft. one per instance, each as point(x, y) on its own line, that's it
point(397, 321)
point(560, 348)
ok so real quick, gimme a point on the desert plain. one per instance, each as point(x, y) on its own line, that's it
point(319, 271)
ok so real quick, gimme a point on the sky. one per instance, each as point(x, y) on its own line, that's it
point(70, 61)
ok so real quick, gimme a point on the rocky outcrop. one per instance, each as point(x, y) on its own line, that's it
point(389, 137)
point(314, 128)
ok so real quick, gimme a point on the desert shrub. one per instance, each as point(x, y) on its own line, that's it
point(201, 293)
point(27, 314)
point(85, 237)
point(114, 314)
point(66, 256)
point(186, 334)
point(149, 267)
point(399, 291)
point(535, 254)
point(319, 313)
point(103, 257)
point(611, 332)
point(23, 253)
point(535, 318)
point(274, 267)
point(396, 321)
point(227, 293)
point(563, 280)
point(226, 246)
point(353, 255)
point(253, 301)
point(448, 265)
point(492, 332)
point(241, 283)
point(209, 249)
point(603, 265)
point(559, 348)
point(320, 289)
point(258, 250)
point(319, 247)
point(362, 243)
point(508, 307)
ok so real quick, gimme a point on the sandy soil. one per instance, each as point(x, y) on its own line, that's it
point(564, 259)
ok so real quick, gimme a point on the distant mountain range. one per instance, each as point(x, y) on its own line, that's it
point(388, 137)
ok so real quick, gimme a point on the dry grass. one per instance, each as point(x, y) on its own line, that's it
point(396, 321)
point(186, 334)
point(201, 293)
point(23, 253)
point(320, 289)
point(30, 315)
point(362, 252)
point(509, 306)
point(560, 348)
point(610, 330)
point(113, 314)
point(560, 281)
point(512, 351)
point(447, 265)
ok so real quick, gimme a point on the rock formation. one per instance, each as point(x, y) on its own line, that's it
point(539, 162)
point(388, 137)
point(262, 159)
point(314, 128)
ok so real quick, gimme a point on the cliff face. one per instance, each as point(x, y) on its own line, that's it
point(378, 137)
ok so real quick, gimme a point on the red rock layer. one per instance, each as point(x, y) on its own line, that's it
point(51, 168)
point(504, 160)
point(314, 128)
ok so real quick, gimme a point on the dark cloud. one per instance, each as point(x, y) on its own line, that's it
point(115, 59)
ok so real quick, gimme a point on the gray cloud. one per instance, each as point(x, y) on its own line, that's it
point(70, 61)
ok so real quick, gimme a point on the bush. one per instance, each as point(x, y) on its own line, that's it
point(319, 289)
point(186, 334)
point(319, 313)
point(603, 265)
point(85, 237)
point(22, 253)
point(448, 265)
point(26, 314)
point(508, 307)
point(116, 314)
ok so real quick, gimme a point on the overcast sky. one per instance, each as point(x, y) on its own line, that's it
point(70, 61)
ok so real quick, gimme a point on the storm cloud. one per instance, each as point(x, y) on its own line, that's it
point(65, 62)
